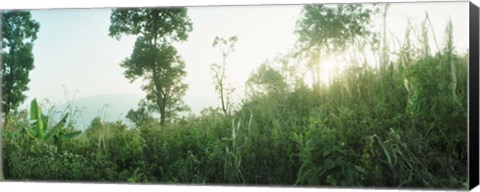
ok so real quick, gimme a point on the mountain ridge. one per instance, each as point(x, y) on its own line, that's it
point(114, 107)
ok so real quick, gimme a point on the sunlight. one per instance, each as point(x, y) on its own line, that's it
point(328, 68)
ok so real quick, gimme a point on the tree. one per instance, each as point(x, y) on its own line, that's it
point(227, 47)
point(19, 31)
point(266, 79)
point(154, 58)
point(323, 30)
point(94, 128)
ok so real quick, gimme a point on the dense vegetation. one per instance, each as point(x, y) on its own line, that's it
point(403, 124)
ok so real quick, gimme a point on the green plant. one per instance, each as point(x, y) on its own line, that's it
point(40, 130)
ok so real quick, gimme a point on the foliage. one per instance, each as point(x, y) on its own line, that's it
point(142, 115)
point(266, 80)
point(332, 28)
point(42, 161)
point(19, 31)
point(35, 148)
point(323, 30)
point(154, 58)
point(40, 130)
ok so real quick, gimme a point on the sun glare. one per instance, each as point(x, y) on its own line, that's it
point(328, 69)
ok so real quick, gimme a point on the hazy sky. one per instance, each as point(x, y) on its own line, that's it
point(74, 50)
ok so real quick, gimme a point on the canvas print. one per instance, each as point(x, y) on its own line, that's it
point(317, 95)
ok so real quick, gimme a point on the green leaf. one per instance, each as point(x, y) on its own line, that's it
point(45, 121)
point(34, 130)
point(36, 115)
point(57, 127)
point(35, 112)
point(359, 168)
point(387, 154)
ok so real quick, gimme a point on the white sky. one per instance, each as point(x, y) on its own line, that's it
point(73, 47)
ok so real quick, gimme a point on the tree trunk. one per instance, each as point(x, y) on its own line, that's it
point(160, 99)
point(163, 118)
point(161, 107)
point(316, 67)
point(158, 86)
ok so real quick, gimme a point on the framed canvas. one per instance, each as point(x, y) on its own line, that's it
point(294, 96)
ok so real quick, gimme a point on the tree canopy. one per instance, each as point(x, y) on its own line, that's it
point(165, 25)
point(332, 28)
point(19, 31)
point(324, 29)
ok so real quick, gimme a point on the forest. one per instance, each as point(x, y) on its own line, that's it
point(396, 116)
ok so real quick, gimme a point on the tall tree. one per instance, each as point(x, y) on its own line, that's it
point(154, 58)
point(227, 47)
point(19, 31)
point(324, 29)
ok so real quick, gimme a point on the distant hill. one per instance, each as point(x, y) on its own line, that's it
point(114, 107)
point(111, 107)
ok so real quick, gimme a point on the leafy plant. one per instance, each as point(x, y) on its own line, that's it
point(41, 131)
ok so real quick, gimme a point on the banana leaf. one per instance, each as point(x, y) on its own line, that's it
point(56, 129)
point(36, 116)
